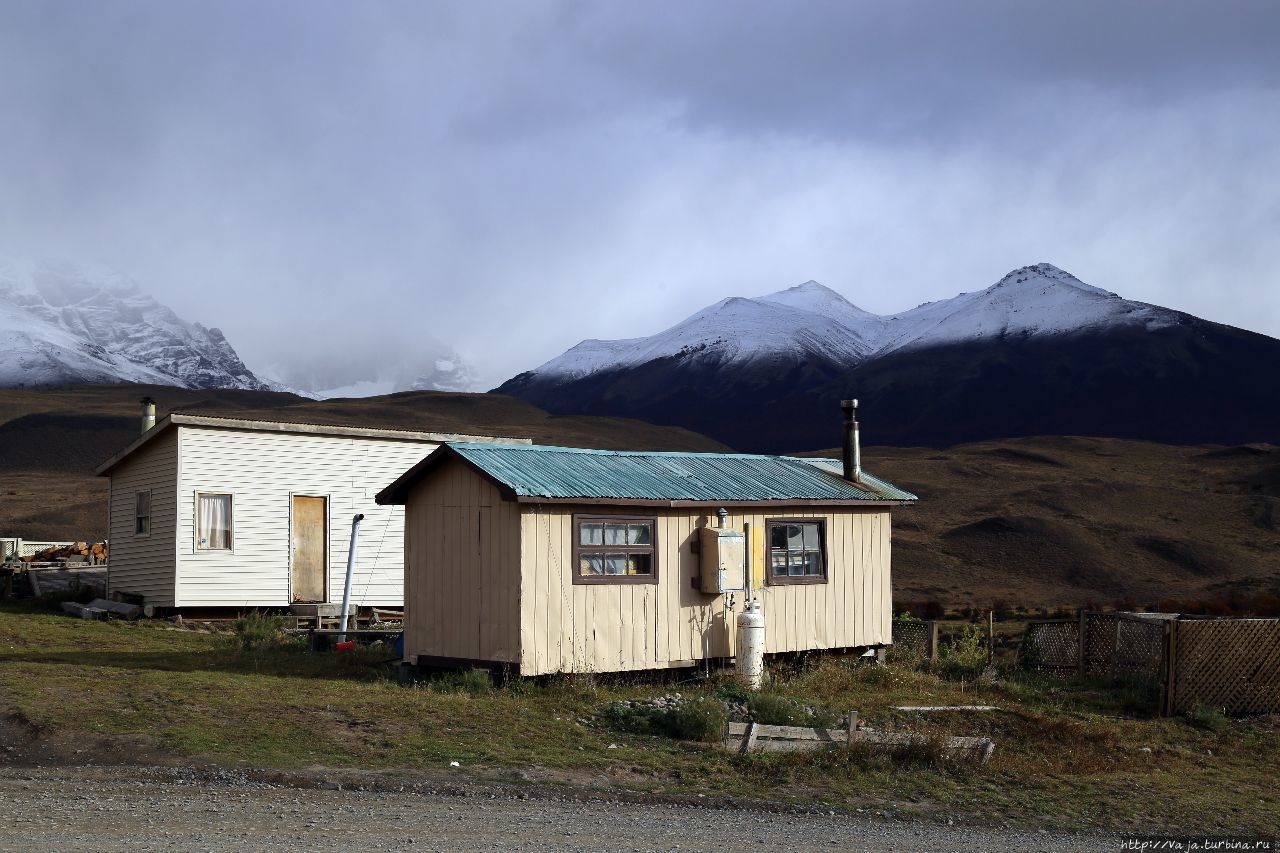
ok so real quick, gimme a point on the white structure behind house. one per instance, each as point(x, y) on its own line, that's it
point(259, 471)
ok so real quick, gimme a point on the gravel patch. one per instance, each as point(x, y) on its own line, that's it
point(166, 808)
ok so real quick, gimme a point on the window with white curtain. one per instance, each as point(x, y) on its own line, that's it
point(213, 522)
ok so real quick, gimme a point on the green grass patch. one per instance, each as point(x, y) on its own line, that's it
point(1068, 753)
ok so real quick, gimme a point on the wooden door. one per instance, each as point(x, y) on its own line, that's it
point(309, 561)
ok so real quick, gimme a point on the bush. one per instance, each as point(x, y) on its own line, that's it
point(695, 719)
point(1208, 719)
point(699, 719)
point(256, 630)
point(477, 682)
point(774, 710)
point(733, 691)
point(962, 657)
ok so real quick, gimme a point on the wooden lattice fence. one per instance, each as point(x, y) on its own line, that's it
point(1052, 646)
point(918, 637)
point(1229, 664)
point(1122, 645)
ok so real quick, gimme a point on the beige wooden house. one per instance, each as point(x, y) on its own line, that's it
point(552, 559)
point(211, 512)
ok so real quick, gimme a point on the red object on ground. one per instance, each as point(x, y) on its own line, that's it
point(344, 647)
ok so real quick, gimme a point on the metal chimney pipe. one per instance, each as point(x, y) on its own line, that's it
point(852, 452)
point(148, 413)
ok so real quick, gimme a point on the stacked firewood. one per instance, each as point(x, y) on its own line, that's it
point(96, 553)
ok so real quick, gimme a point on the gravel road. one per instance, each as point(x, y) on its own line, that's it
point(149, 808)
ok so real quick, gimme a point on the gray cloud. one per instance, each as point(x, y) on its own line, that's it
point(349, 189)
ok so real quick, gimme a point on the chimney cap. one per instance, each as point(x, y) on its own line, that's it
point(147, 401)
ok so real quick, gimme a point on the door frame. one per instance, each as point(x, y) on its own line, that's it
point(328, 531)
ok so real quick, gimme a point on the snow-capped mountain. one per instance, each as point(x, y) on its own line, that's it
point(1037, 352)
point(62, 324)
point(811, 320)
point(734, 331)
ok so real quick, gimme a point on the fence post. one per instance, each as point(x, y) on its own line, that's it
point(1080, 652)
point(933, 639)
point(1170, 685)
point(991, 635)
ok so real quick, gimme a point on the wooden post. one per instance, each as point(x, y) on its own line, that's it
point(1170, 686)
point(853, 726)
point(749, 741)
point(1080, 652)
point(991, 636)
point(933, 639)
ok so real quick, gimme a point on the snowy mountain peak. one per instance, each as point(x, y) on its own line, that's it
point(62, 324)
point(810, 322)
point(1028, 278)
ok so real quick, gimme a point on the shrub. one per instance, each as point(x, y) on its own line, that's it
point(477, 682)
point(732, 691)
point(256, 630)
point(694, 719)
point(699, 719)
point(1208, 719)
point(774, 710)
point(962, 657)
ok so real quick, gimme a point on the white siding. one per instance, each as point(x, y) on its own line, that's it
point(143, 565)
point(262, 470)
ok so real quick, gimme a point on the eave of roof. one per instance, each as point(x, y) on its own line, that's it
point(542, 475)
point(243, 424)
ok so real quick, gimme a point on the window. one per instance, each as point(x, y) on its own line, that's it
point(611, 549)
point(142, 513)
point(797, 552)
point(213, 522)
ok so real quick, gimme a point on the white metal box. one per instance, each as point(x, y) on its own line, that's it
point(723, 559)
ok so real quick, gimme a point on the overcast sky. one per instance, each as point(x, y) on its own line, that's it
point(345, 186)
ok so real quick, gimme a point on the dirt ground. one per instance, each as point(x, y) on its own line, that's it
point(153, 808)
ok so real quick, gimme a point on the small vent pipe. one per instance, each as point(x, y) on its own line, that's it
point(148, 413)
point(852, 455)
point(351, 568)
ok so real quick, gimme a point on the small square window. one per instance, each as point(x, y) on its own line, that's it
point(797, 552)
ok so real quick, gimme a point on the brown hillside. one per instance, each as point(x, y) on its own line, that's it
point(1063, 521)
point(52, 439)
point(1036, 521)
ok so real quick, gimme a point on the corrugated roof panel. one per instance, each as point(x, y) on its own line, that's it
point(566, 472)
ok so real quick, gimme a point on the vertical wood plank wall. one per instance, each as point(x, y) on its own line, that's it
point(567, 627)
point(462, 569)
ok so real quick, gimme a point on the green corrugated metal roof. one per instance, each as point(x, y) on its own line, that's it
point(539, 471)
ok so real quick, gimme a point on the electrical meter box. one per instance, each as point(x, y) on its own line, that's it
point(724, 560)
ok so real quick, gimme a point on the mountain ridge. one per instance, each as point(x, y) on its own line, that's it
point(1037, 352)
point(62, 325)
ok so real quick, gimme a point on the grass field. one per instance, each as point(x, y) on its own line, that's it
point(1067, 756)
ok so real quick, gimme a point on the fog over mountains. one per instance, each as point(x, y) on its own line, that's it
point(65, 324)
point(61, 324)
point(1038, 352)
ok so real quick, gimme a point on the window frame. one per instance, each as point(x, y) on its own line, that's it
point(793, 580)
point(578, 549)
point(137, 494)
point(231, 522)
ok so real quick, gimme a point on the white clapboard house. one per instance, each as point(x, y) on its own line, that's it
point(213, 512)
